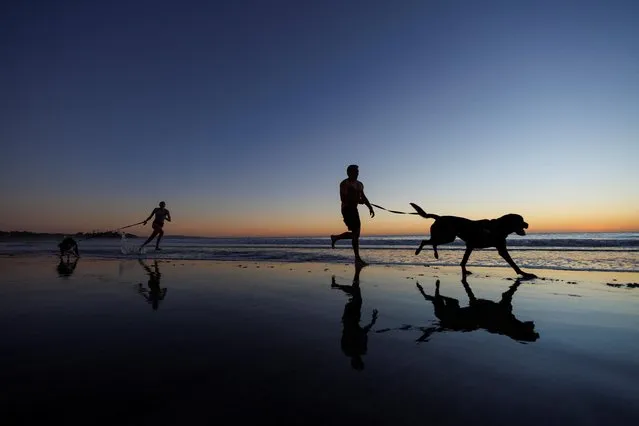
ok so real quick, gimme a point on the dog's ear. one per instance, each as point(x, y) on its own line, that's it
point(505, 224)
point(519, 221)
point(513, 223)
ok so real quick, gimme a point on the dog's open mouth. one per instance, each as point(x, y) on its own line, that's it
point(521, 231)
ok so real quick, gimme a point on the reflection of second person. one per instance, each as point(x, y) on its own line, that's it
point(154, 294)
point(354, 341)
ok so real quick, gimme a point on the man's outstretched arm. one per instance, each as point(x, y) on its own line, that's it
point(373, 321)
point(150, 216)
point(365, 201)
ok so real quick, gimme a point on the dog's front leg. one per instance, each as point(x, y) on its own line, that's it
point(469, 250)
point(507, 296)
point(504, 253)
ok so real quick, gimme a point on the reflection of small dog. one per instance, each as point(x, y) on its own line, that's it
point(475, 233)
point(66, 268)
point(69, 246)
point(155, 294)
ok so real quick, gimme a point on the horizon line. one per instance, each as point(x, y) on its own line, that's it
point(311, 236)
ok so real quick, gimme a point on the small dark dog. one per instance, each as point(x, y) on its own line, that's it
point(69, 246)
point(476, 233)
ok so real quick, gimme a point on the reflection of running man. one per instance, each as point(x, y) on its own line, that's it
point(354, 337)
point(161, 214)
point(154, 294)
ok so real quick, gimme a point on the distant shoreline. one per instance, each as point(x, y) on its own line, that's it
point(6, 235)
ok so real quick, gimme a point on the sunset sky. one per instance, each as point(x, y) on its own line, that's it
point(243, 115)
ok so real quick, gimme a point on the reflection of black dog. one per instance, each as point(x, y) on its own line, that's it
point(69, 246)
point(354, 337)
point(65, 269)
point(476, 233)
point(494, 317)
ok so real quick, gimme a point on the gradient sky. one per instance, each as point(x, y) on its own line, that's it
point(243, 115)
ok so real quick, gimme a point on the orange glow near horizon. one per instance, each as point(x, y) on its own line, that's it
point(312, 225)
point(415, 226)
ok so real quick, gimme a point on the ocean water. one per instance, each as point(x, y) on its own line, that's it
point(569, 251)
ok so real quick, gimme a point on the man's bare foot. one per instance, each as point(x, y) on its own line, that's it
point(333, 240)
point(360, 263)
point(158, 249)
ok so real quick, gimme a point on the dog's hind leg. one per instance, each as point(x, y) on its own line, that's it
point(421, 246)
point(425, 243)
point(438, 235)
point(464, 260)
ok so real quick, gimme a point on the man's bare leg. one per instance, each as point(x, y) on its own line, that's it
point(157, 243)
point(358, 259)
point(342, 236)
point(149, 239)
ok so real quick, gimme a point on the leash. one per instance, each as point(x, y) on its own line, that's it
point(128, 226)
point(392, 211)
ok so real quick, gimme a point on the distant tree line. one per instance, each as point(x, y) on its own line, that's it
point(92, 234)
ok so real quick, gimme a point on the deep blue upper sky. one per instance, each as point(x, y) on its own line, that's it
point(237, 109)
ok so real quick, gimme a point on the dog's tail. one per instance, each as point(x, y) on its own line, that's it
point(422, 213)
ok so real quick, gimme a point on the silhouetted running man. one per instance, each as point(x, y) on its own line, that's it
point(354, 341)
point(161, 214)
point(351, 192)
point(154, 294)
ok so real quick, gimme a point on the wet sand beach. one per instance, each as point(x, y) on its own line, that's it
point(131, 342)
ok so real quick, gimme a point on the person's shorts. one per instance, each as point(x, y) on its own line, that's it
point(351, 219)
point(157, 225)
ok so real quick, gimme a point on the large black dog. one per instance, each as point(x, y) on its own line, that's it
point(475, 233)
